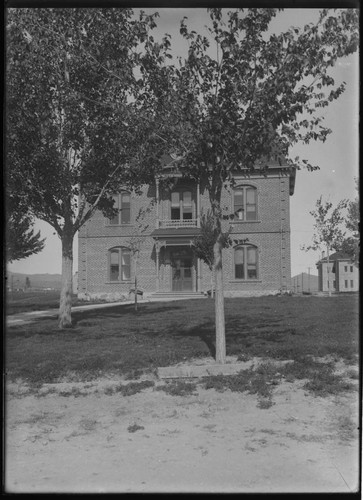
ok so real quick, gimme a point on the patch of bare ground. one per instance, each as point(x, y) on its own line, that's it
point(117, 435)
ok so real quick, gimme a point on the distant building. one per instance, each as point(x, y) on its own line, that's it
point(305, 283)
point(340, 275)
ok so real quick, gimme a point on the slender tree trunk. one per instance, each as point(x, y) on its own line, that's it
point(219, 304)
point(135, 293)
point(65, 318)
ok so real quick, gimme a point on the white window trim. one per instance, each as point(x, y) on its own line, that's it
point(121, 224)
point(242, 185)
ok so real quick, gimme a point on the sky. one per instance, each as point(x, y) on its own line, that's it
point(338, 157)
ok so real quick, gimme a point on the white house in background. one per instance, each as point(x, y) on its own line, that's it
point(340, 275)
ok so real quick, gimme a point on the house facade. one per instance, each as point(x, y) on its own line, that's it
point(340, 275)
point(257, 263)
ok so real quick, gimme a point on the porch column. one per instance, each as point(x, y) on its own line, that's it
point(157, 250)
point(198, 204)
point(198, 275)
point(157, 204)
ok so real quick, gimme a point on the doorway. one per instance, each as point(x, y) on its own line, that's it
point(182, 264)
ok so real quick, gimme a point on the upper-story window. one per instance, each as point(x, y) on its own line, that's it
point(119, 259)
point(351, 269)
point(245, 203)
point(246, 262)
point(123, 205)
point(181, 205)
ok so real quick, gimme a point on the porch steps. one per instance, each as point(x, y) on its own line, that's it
point(178, 295)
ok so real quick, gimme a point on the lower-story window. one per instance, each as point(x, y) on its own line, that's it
point(245, 262)
point(119, 264)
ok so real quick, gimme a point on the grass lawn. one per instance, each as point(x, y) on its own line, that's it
point(17, 302)
point(118, 340)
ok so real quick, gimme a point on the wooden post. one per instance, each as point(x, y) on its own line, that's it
point(157, 204)
point(198, 204)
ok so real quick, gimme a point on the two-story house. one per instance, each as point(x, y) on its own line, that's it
point(340, 275)
point(257, 263)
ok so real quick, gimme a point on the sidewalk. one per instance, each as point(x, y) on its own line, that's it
point(28, 317)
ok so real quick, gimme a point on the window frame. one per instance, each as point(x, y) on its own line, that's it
point(245, 263)
point(121, 266)
point(120, 210)
point(244, 188)
point(180, 191)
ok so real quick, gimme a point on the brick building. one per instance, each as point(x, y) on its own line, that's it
point(257, 263)
point(340, 275)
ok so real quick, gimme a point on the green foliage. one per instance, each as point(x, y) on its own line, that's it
point(244, 106)
point(178, 388)
point(131, 388)
point(77, 111)
point(329, 229)
point(260, 94)
point(203, 244)
point(80, 114)
point(21, 239)
point(351, 244)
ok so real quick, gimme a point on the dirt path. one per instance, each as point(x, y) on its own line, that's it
point(208, 442)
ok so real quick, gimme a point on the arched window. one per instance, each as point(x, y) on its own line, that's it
point(123, 205)
point(246, 262)
point(245, 203)
point(119, 259)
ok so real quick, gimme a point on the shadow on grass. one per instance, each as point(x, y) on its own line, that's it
point(121, 311)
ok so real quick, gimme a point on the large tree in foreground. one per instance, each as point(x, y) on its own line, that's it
point(79, 114)
point(258, 95)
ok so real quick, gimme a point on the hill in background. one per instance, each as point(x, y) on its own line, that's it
point(16, 281)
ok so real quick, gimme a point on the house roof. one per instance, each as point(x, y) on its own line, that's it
point(175, 232)
point(170, 163)
point(336, 256)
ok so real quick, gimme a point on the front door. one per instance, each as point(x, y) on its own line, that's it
point(182, 269)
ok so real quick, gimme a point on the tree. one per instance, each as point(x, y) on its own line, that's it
point(203, 244)
point(135, 244)
point(329, 227)
point(351, 244)
point(80, 115)
point(27, 283)
point(21, 239)
point(257, 97)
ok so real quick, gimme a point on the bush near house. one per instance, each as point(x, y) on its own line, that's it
point(118, 340)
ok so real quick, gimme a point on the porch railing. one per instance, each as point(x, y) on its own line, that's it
point(178, 223)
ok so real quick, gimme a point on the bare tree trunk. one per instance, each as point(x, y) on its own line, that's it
point(219, 304)
point(65, 318)
point(135, 293)
point(211, 283)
